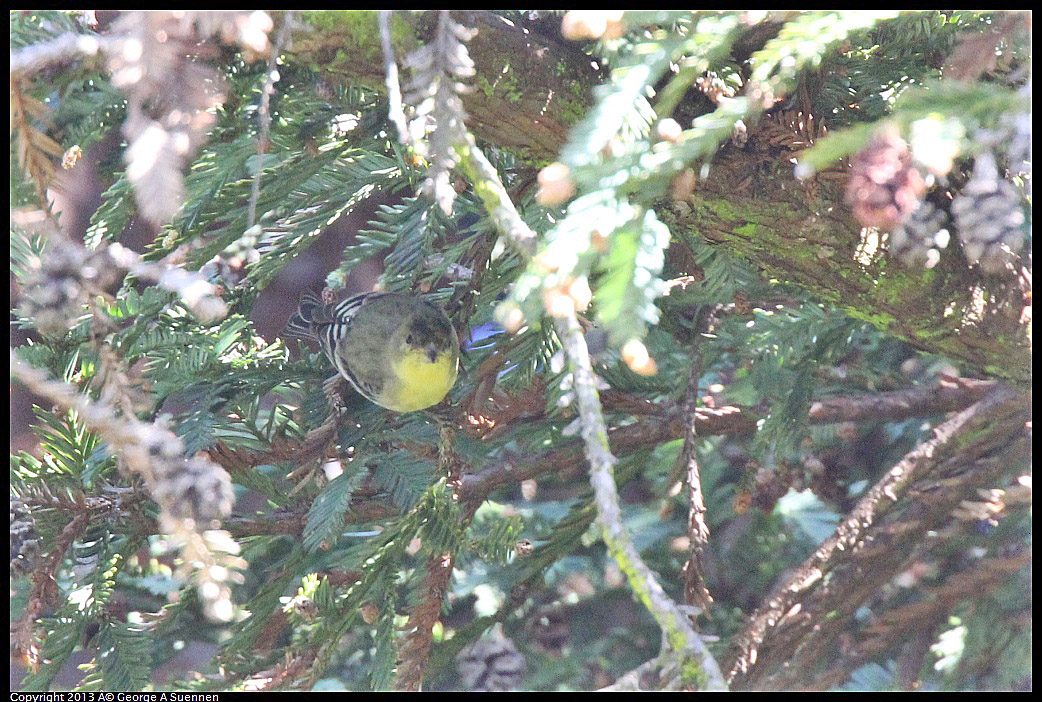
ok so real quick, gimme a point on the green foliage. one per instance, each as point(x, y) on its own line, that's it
point(69, 449)
point(63, 633)
point(124, 662)
point(88, 110)
point(975, 106)
point(110, 219)
point(26, 250)
point(122, 656)
point(627, 291)
point(792, 345)
point(403, 477)
point(315, 204)
point(494, 536)
point(724, 276)
point(327, 511)
point(408, 230)
point(33, 27)
point(615, 190)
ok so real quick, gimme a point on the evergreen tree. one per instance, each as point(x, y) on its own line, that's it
point(745, 300)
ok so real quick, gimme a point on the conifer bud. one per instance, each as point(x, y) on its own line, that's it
point(555, 185)
point(592, 24)
point(669, 130)
point(492, 664)
point(510, 316)
point(989, 217)
point(683, 184)
point(636, 356)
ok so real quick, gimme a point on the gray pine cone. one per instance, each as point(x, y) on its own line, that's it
point(917, 241)
point(988, 216)
point(492, 664)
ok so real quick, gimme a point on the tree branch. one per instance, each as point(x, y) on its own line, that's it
point(676, 628)
point(531, 89)
point(695, 590)
point(667, 424)
point(915, 496)
point(414, 649)
point(657, 424)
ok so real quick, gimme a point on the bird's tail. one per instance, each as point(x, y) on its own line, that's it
point(301, 324)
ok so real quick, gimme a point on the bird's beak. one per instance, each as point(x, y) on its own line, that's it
point(432, 352)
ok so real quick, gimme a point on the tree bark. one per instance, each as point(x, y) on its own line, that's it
point(528, 91)
point(528, 88)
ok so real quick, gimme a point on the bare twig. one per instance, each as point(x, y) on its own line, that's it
point(895, 405)
point(36, 57)
point(395, 110)
point(416, 646)
point(965, 452)
point(281, 675)
point(982, 577)
point(661, 674)
point(666, 424)
point(264, 114)
point(623, 440)
point(695, 590)
point(678, 633)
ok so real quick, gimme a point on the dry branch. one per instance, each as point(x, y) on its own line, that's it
point(790, 633)
point(677, 630)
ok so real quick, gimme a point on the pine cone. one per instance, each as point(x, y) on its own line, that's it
point(1018, 152)
point(916, 242)
point(25, 542)
point(989, 217)
point(550, 630)
point(56, 293)
point(884, 187)
point(186, 488)
point(1018, 147)
point(492, 664)
point(193, 488)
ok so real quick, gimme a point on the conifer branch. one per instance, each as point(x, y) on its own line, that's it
point(395, 109)
point(36, 57)
point(415, 648)
point(495, 198)
point(967, 450)
point(982, 576)
point(696, 592)
point(264, 115)
point(678, 633)
point(193, 492)
point(37, 152)
point(677, 630)
point(660, 179)
point(44, 592)
point(658, 424)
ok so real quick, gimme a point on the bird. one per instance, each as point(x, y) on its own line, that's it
point(397, 350)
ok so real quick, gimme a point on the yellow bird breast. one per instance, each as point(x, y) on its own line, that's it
point(421, 382)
